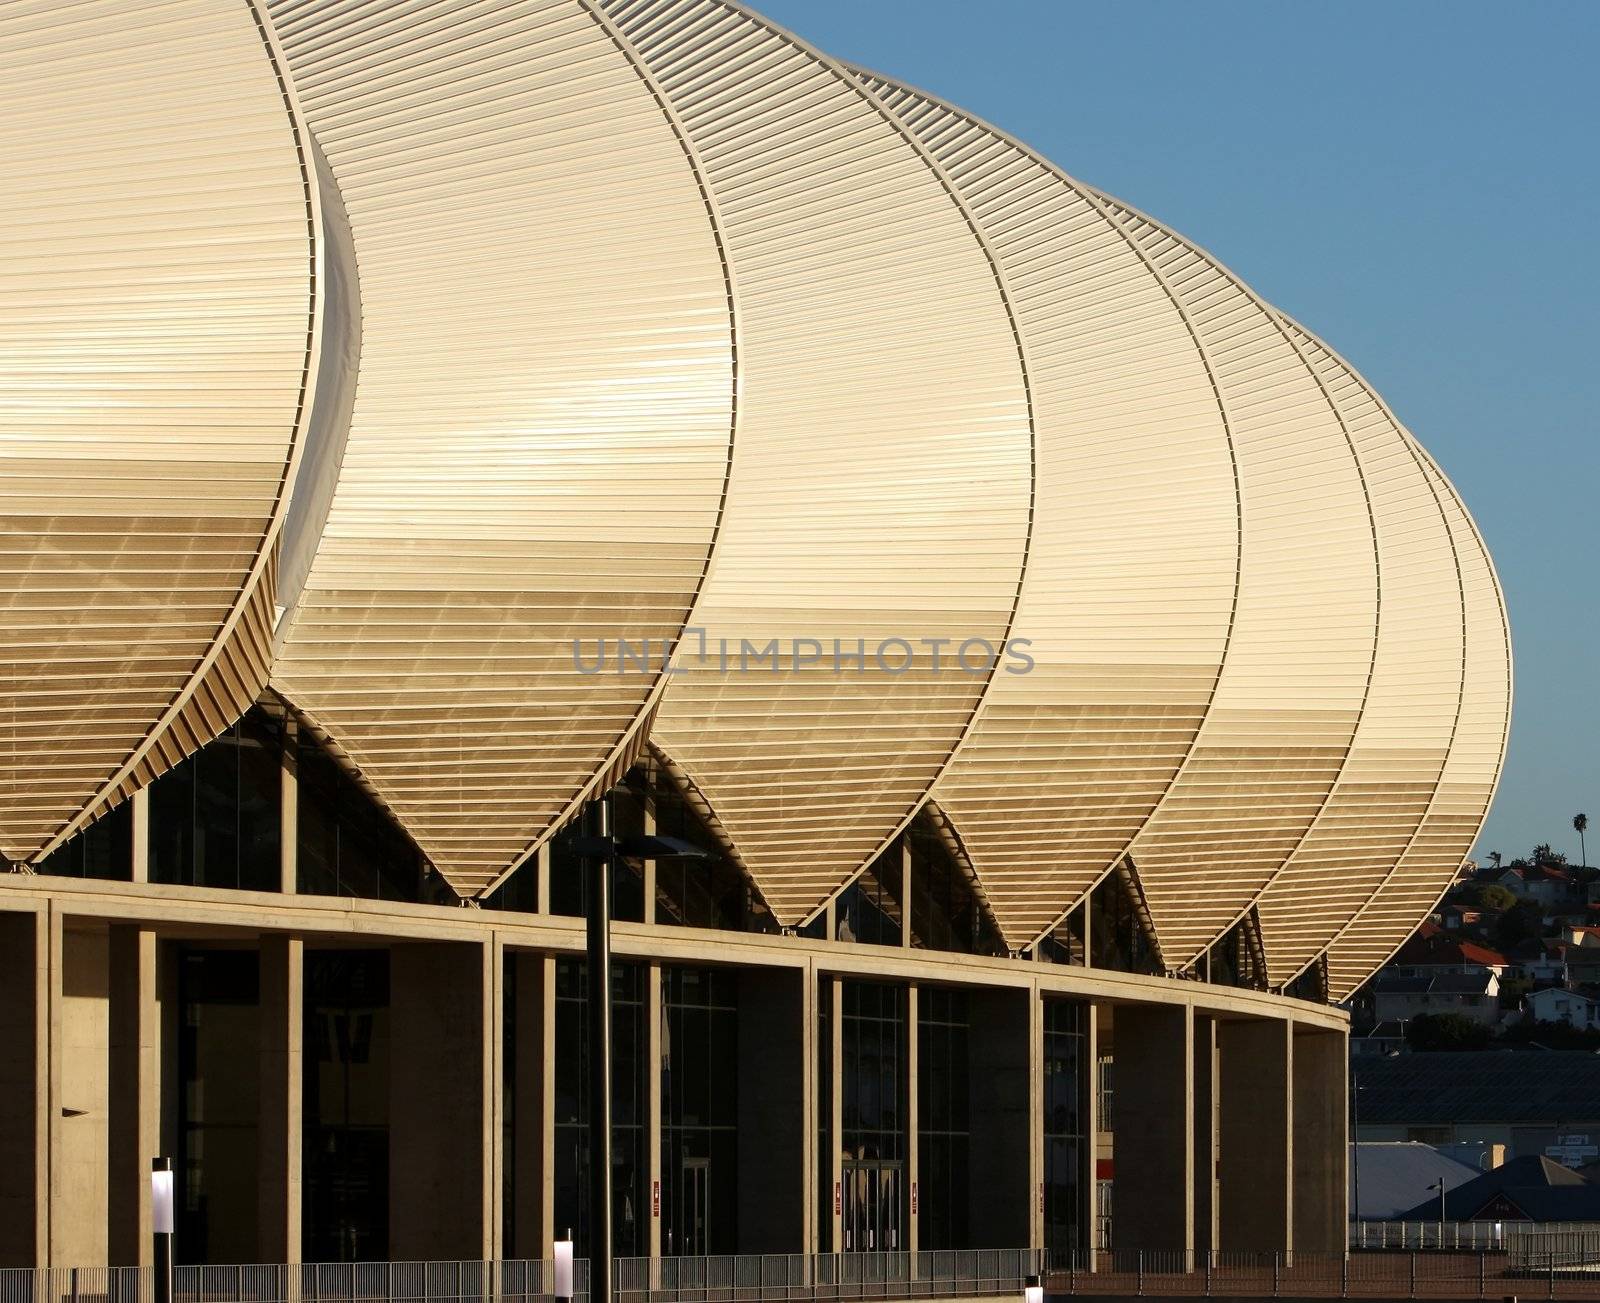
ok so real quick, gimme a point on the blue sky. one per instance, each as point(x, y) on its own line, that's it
point(1417, 183)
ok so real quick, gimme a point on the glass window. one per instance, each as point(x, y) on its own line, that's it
point(347, 844)
point(1117, 936)
point(946, 914)
point(713, 892)
point(218, 1104)
point(868, 910)
point(215, 817)
point(943, 1132)
point(102, 850)
point(629, 1228)
point(699, 1111)
point(1065, 1159)
point(346, 1102)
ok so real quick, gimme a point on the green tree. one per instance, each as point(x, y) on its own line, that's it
point(1517, 924)
point(1581, 823)
point(1488, 896)
point(1446, 1031)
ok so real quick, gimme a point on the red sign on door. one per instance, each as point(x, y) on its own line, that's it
point(655, 1198)
point(838, 1199)
point(913, 1198)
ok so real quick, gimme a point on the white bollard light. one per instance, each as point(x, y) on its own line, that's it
point(563, 1268)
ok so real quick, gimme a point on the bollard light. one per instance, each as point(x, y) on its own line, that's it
point(162, 1216)
point(1033, 1291)
point(563, 1268)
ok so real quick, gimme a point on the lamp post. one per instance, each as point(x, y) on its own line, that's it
point(1355, 1147)
point(601, 851)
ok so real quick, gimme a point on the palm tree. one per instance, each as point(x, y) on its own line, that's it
point(1496, 857)
point(1581, 823)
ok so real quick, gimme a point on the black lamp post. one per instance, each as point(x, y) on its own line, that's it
point(602, 851)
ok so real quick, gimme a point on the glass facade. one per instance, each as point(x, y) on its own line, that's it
point(1064, 944)
point(713, 892)
point(872, 1087)
point(570, 872)
point(345, 1165)
point(215, 817)
point(218, 1104)
point(1117, 935)
point(946, 913)
point(699, 1111)
point(102, 850)
point(1066, 1078)
point(943, 1134)
point(1235, 959)
point(629, 1155)
point(869, 909)
point(347, 844)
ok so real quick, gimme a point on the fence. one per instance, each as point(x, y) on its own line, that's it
point(747, 1278)
point(1506, 1236)
point(1537, 1263)
point(1392, 1274)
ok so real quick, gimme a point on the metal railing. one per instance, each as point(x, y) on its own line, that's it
point(1391, 1274)
point(744, 1278)
point(1538, 1262)
point(1454, 1235)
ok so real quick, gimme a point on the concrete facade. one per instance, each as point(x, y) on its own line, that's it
point(472, 1067)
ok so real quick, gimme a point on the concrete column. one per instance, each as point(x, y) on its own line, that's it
point(999, 1093)
point(532, 1157)
point(1255, 1159)
point(1089, 1233)
point(1036, 1117)
point(810, 1156)
point(133, 1134)
point(773, 1068)
point(653, 1013)
point(24, 1089)
point(494, 1096)
point(139, 835)
point(1153, 1067)
point(1320, 1146)
point(913, 1118)
point(441, 1056)
point(1205, 1134)
point(289, 811)
point(79, 1098)
point(281, 1137)
point(836, 1114)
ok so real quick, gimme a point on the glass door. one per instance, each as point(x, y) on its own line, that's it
point(695, 1208)
point(872, 1215)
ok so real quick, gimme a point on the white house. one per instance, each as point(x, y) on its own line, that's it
point(1555, 1005)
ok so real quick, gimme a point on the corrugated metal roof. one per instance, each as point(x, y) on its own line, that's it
point(1552, 1086)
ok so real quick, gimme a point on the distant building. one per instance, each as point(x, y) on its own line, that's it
point(1399, 997)
point(1389, 1177)
point(1540, 961)
point(1545, 885)
point(1431, 952)
point(1554, 1004)
point(1528, 1100)
point(1532, 1188)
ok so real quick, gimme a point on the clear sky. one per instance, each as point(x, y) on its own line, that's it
point(1415, 182)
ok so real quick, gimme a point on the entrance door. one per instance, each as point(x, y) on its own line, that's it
point(695, 1205)
point(872, 1213)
